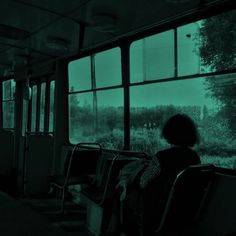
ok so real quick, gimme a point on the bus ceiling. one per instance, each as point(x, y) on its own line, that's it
point(35, 31)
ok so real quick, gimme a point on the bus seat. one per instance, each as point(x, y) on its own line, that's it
point(106, 178)
point(218, 216)
point(186, 200)
point(79, 168)
point(100, 193)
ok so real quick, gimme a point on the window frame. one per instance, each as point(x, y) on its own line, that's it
point(93, 88)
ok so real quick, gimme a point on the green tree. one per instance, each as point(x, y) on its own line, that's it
point(74, 111)
point(218, 52)
point(217, 41)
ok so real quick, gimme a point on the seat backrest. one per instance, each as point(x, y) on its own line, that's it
point(110, 164)
point(186, 198)
point(83, 162)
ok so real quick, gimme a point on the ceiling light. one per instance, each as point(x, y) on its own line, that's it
point(103, 22)
point(57, 44)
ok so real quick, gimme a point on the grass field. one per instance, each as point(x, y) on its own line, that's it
point(225, 162)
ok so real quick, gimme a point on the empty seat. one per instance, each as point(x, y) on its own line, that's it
point(79, 168)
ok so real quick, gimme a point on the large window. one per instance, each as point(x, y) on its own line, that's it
point(96, 99)
point(8, 103)
point(203, 49)
point(152, 104)
point(189, 69)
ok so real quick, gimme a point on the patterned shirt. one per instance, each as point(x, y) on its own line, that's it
point(151, 172)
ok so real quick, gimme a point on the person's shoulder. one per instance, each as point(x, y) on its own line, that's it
point(177, 150)
point(164, 153)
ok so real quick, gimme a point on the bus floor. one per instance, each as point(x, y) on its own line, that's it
point(40, 216)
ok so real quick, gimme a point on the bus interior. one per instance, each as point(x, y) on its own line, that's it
point(85, 87)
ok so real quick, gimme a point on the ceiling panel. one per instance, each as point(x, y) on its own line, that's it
point(57, 6)
point(10, 57)
point(24, 17)
point(59, 38)
point(3, 47)
point(148, 13)
point(91, 8)
point(37, 57)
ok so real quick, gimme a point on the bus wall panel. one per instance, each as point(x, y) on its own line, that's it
point(6, 152)
point(38, 164)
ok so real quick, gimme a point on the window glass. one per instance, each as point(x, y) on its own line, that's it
point(187, 50)
point(8, 114)
point(51, 108)
point(79, 72)
point(81, 116)
point(210, 102)
point(108, 68)
point(33, 108)
point(8, 103)
point(42, 107)
point(97, 117)
point(152, 58)
point(9, 89)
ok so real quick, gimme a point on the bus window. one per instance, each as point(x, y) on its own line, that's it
point(152, 58)
point(188, 40)
point(8, 103)
point(34, 108)
point(152, 104)
point(97, 115)
point(108, 68)
point(42, 107)
point(203, 48)
point(51, 106)
point(79, 72)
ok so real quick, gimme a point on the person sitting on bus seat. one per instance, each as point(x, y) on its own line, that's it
point(181, 134)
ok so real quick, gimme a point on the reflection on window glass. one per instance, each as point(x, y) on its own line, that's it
point(97, 117)
point(187, 50)
point(210, 102)
point(8, 104)
point(42, 107)
point(51, 108)
point(8, 89)
point(33, 108)
point(8, 114)
point(79, 72)
point(152, 58)
point(108, 68)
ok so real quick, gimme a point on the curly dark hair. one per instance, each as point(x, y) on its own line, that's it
point(181, 130)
